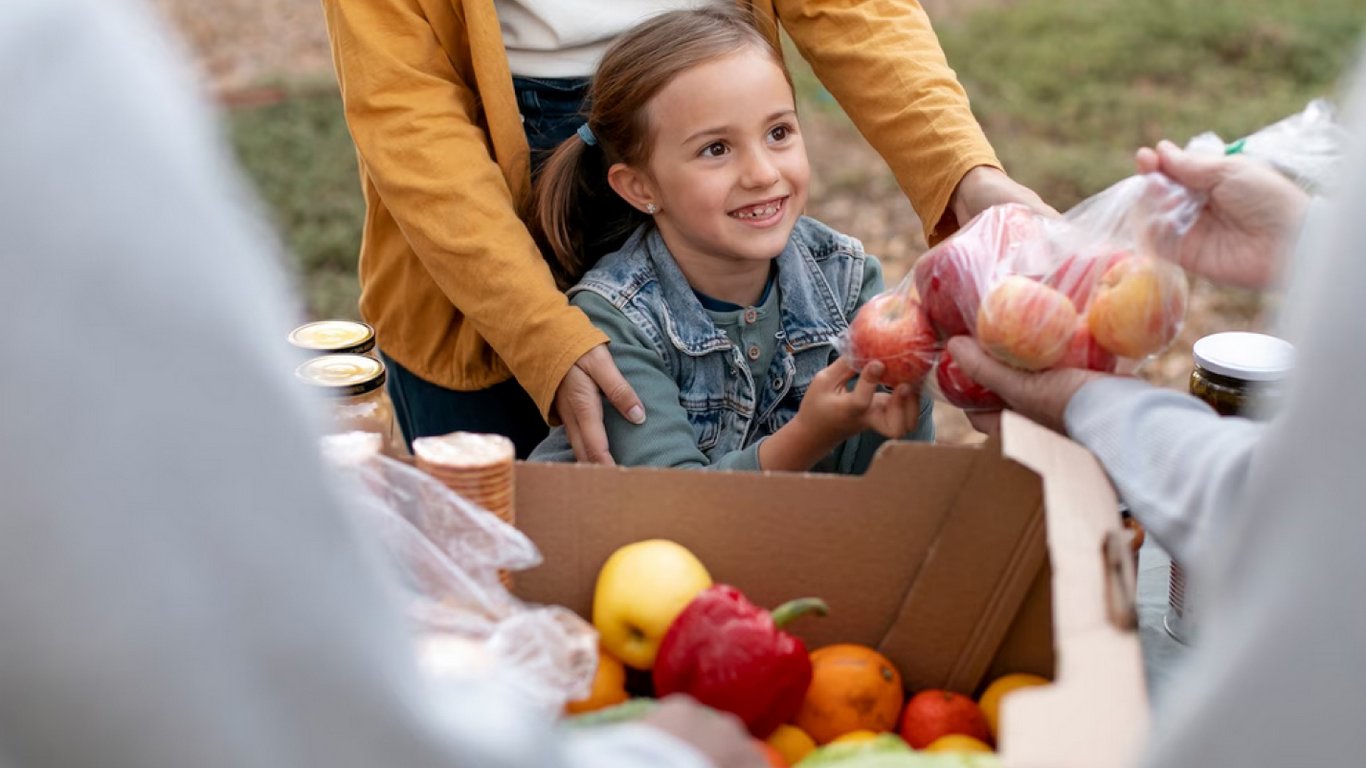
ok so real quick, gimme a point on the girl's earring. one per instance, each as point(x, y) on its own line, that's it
point(651, 208)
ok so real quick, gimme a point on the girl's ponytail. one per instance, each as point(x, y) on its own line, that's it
point(577, 217)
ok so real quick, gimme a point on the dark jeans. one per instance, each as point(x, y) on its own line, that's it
point(550, 114)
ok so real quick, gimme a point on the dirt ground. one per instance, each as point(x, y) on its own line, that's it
point(242, 43)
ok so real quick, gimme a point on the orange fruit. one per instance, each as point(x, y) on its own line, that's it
point(855, 737)
point(609, 686)
point(853, 687)
point(792, 743)
point(956, 742)
point(772, 756)
point(933, 713)
point(990, 702)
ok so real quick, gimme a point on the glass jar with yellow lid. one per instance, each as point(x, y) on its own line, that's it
point(354, 387)
point(334, 337)
point(1238, 374)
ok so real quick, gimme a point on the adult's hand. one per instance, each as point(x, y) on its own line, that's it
point(1242, 233)
point(1041, 396)
point(985, 186)
point(719, 736)
point(579, 403)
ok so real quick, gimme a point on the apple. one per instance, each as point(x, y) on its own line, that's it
point(1083, 351)
point(947, 279)
point(893, 329)
point(957, 388)
point(934, 713)
point(1017, 238)
point(1138, 307)
point(950, 277)
point(1078, 274)
point(1024, 323)
point(640, 590)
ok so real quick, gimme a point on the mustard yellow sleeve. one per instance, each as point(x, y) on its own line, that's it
point(882, 62)
point(414, 122)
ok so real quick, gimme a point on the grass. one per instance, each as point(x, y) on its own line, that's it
point(1066, 90)
point(300, 155)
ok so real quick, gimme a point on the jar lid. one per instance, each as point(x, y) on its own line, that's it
point(334, 336)
point(1246, 356)
point(342, 375)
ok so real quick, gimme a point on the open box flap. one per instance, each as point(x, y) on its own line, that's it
point(1094, 714)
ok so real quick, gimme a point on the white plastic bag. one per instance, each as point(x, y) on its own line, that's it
point(446, 554)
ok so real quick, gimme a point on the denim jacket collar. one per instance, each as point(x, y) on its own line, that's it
point(811, 313)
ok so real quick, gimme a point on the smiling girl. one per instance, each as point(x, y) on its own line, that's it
point(676, 215)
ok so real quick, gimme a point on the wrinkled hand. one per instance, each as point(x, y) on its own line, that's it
point(719, 736)
point(1041, 396)
point(834, 413)
point(1241, 235)
point(579, 403)
point(985, 186)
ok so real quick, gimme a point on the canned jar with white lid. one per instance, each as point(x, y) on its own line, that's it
point(1238, 373)
point(354, 387)
point(334, 337)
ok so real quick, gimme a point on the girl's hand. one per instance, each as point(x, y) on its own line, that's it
point(832, 413)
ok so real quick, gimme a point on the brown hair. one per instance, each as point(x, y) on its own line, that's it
point(576, 217)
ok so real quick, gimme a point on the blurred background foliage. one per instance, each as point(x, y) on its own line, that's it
point(1066, 89)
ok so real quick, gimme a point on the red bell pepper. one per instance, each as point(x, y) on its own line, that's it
point(733, 656)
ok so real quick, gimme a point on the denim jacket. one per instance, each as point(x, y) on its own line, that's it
point(823, 277)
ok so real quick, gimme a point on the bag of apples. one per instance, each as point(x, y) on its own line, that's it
point(1037, 293)
point(1084, 290)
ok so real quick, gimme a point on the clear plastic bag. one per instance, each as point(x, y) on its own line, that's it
point(446, 554)
point(1308, 147)
point(1084, 290)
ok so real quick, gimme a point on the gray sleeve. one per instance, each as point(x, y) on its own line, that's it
point(179, 581)
point(666, 439)
point(1175, 462)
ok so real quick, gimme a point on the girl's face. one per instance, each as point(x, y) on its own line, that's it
point(728, 169)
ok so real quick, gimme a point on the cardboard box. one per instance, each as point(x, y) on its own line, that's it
point(939, 557)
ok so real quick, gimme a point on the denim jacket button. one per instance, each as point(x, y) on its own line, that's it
point(753, 352)
point(751, 315)
point(777, 383)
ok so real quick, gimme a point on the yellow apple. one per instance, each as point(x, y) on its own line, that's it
point(641, 589)
point(1138, 307)
point(1024, 323)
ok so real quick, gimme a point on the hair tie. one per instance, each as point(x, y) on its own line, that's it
point(586, 134)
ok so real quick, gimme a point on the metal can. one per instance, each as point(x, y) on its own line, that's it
point(1238, 374)
point(354, 388)
point(334, 337)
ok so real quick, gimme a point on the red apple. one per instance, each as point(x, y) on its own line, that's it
point(1084, 352)
point(1138, 307)
point(947, 278)
point(1078, 274)
point(893, 329)
point(1024, 323)
point(1018, 238)
point(933, 713)
point(957, 388)
point(950, 277)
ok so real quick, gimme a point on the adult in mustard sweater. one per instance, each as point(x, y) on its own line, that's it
point(446, 99)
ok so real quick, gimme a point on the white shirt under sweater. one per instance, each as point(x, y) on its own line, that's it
point(180, 585)
point(566, 38)
point(1271, 518)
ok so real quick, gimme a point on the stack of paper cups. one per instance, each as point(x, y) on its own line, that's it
point(477, 467)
